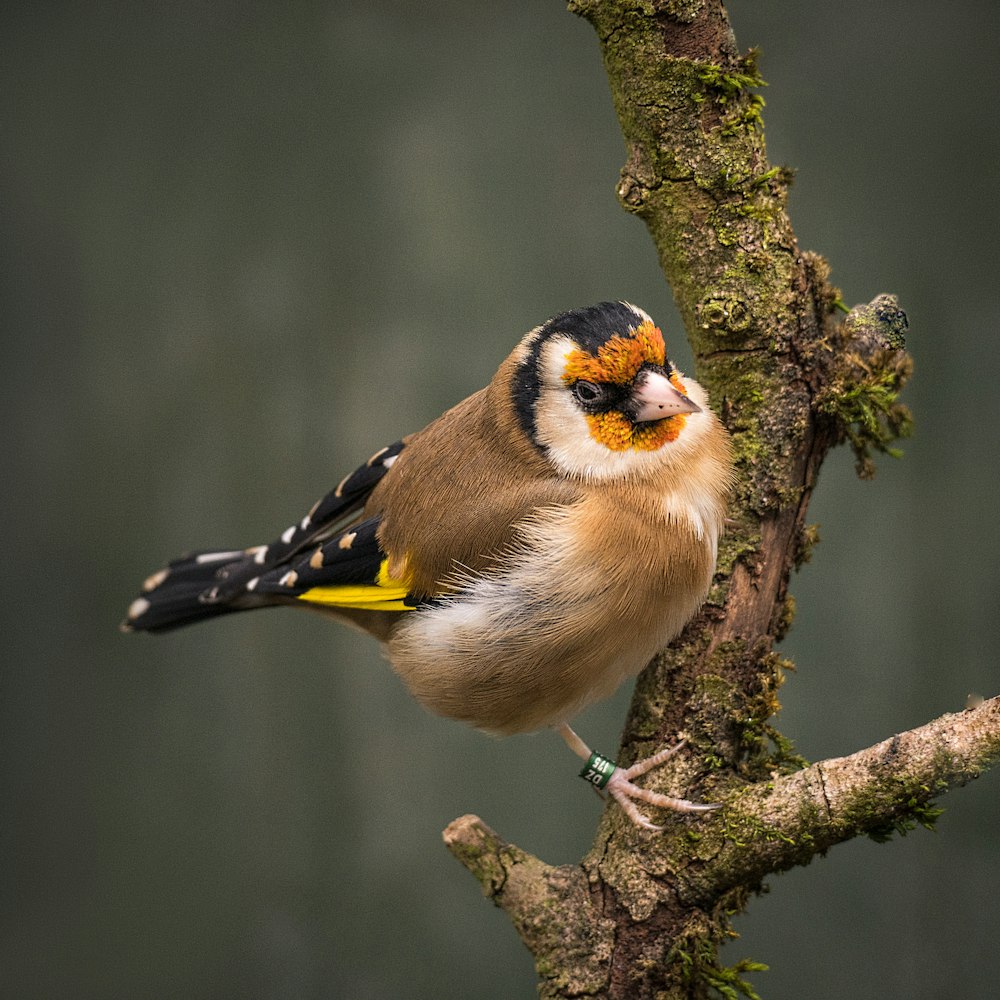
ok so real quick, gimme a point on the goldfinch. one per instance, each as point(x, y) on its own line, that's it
point(522, 555)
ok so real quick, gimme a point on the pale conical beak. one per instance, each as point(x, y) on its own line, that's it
point(655, 398)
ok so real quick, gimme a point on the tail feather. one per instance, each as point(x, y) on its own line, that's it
point(188, 590)
point(211, 583)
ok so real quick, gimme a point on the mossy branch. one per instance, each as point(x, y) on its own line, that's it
point(764, 827)
point(862, 394)
point(887, 788)
point(643, 916)
point(550, 907)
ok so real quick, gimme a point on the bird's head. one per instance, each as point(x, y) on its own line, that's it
point(595, 391)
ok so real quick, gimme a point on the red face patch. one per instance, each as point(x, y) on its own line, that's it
point(618, 362)
point(619, 359)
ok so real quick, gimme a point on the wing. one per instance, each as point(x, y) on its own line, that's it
point(349, 571)
point(213, 582)
point(329, 513)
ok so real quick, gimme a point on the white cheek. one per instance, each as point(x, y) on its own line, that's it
point(563, 431)
point(562, 428)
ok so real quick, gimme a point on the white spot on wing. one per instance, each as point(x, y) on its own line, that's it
point(252, 584)
point(154, 580)
point(138, 608)
point(288, 580)
point(209, 557)
point(288, 534)
point(387, 462)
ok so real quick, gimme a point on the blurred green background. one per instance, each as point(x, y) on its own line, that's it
point(245, 245)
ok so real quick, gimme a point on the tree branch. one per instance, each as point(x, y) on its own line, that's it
point(768, 827)
point(551, 908)
point(642, 916)
point(883, 789)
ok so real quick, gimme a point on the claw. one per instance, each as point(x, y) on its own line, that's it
point(625, 792)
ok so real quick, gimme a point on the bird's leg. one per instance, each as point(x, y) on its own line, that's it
point(604, 773)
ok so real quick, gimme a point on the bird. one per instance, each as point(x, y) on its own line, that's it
point(522, 555)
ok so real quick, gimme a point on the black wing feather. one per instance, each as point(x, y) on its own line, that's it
point(208, 583)
point(348, 570)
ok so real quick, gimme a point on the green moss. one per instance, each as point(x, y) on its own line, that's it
point(728, 981)
point(740, 543)
point(726, 86)
point(730, 89)
point(724, 314)
point(698, 962)
point(785, 623)
point(867, 410)
point(785, 757)
point(919, 810)
point(775, 173)
point(761, 209)
point(861, 396)
point(684, 11)
point(749, 117)
point(736, 715)
point(808, 540)
point(744, 832)
point(727, 236)
point(759, 410)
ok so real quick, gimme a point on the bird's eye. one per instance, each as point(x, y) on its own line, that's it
point(587, 392)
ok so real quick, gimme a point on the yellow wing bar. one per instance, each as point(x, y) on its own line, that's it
point(386, 594)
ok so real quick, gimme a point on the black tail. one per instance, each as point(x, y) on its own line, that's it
point(207, 584)
point(193, 588)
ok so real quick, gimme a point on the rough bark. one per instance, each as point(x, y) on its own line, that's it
point(642, 916)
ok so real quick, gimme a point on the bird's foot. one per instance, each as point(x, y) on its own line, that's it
point(625, 792)
point(605, 774)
